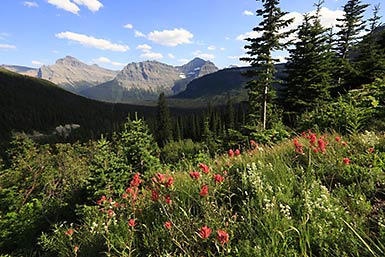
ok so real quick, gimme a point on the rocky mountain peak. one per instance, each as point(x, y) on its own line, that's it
point(69, 60)
point(74, 75)
point(197, 68)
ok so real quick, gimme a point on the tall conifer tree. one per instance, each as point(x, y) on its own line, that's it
point(164, 132)
point(352, 24)
point(309, 68)
point(260, 57)
point(370, 59)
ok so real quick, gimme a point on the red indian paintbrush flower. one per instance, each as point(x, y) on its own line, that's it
point(154, 195)
point(168, 224)
point(222, 237)
point(218, 178)
point(110, 213)
point(168, 199)
point(204, 168)
point(204, 190)
point(170, 182)
point(346, 161)
point(135, 182)
point(321, 145)
point(312, 139)
point(205, 232)
point(195, 175)
point(231, 153)
point(131, 223)
point(237, 152)
point(298, 146)
point(69, 232)
point(160, 178)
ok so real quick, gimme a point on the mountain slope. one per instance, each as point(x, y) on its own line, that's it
point(215, 87)
point(216, 83)
point(146, 80)
point(28, 104)
point(21, 70)
point(74, 75)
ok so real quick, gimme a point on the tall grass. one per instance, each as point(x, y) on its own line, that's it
point(315, 195)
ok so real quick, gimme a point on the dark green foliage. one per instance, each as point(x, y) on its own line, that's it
point(109, 169)
point(181, 151)
point(29, 104)
point(352, 24)
point(260, 57)
point(230, 118)
point(39, 185)
point(369, 61)
point(359, 109)
point(163, 133)
point(138, 146)
point(309, 69)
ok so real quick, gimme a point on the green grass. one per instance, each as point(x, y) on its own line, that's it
point(273, 201)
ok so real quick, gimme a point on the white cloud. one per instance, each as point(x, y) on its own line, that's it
point(139, 34)
point(328, 19)
point(30, 4)
point(38, 63)
point(5, 46)
point(65, 5)
point(247, 13)
point(252, 34)
point(147, 53)
point(129, 26)
point(233, 57)
point(151, 55)
point(106, 60)
point(92, 41)
point(92, 5)
point(144, 47)
point(170, 37)
point(211, 48)
point(222, 49)
point(203, 55)
point(171, 56)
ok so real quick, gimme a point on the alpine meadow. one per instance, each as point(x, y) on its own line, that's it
point(281, 153)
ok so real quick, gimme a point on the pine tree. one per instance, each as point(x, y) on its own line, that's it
point(260, 57)
point(164, 131)
point(230, 122)
point(370, 60)
point(309, 68)
point(352, 24)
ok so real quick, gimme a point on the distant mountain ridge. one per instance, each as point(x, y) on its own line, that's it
point(146, 80)
point(73, 75)
point(68, 73)
point(21, 70)
point(140, 81)
point(227, 81)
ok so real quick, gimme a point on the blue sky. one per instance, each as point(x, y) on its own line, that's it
point(113, 33)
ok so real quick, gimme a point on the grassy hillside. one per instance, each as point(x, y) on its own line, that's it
point(28, 104)
point(313, 195)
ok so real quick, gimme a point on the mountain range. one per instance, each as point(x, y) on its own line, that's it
point(135, 82)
